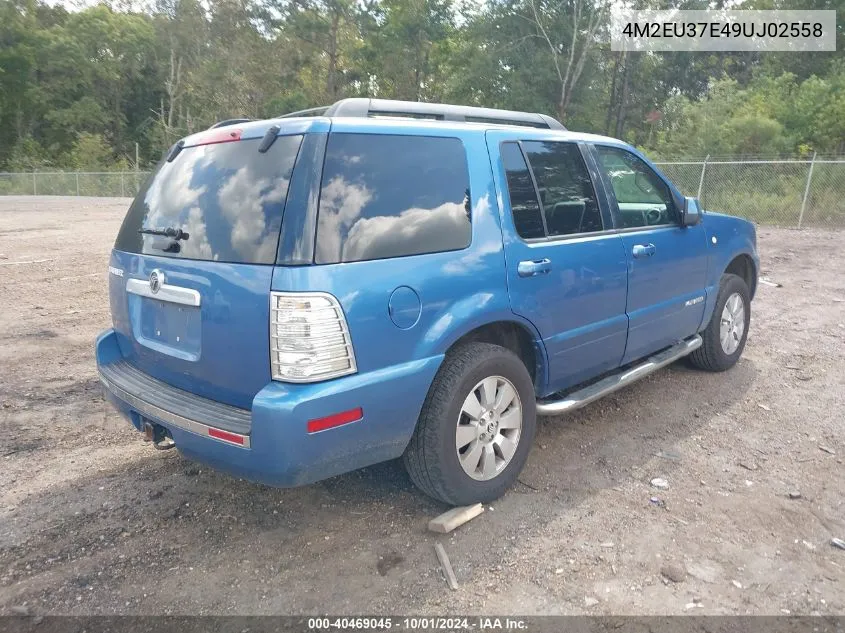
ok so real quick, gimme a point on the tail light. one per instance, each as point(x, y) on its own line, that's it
point(309, 338)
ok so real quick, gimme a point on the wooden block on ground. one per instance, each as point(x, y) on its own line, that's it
point(446, 566)
point(455, 517)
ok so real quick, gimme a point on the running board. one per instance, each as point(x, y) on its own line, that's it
point(591, 393)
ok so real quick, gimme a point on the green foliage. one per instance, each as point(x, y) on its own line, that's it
point(90, 152)
point(79, 90)
point(405, 48)
point(771, 116)
point(28, 155)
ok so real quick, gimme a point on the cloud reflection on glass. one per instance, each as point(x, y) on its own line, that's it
point(392, 196)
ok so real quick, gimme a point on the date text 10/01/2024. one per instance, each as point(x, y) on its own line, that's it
point(418, 623)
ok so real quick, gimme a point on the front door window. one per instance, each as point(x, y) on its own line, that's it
point(642, 196)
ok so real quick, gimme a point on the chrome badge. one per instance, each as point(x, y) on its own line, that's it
point(156, 280)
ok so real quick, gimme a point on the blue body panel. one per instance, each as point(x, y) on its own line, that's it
point(458, 290)
point(222, 352)
point(578, 306)
point(596, 309)
point(665, 289)
point(727, 238)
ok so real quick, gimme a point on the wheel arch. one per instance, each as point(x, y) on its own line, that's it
point(518, 337)
point(743, 266)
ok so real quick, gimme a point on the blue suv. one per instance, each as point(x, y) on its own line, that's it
point(300, 297)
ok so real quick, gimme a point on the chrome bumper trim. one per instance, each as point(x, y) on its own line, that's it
point(173, 419)
point(591, 393)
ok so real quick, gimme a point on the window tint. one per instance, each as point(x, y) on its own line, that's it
point(390, 196)
point(229, 198)
point(642, 196)
point(526, 210)
point(566, 191)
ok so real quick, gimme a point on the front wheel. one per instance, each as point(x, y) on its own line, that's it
point(726, 334)
point(476, 426)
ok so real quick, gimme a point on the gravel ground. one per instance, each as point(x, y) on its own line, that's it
point(94, 521)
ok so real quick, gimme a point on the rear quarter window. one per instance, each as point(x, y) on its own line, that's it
point(391, 196)
point(228, 197)
point(527, 216)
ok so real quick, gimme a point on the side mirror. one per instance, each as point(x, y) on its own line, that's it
point(691, 214)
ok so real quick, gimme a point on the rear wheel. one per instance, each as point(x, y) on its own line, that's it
point(726, 334)
point(476, 426)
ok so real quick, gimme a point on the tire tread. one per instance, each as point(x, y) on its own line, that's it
point(710, 357)
point(421, 457)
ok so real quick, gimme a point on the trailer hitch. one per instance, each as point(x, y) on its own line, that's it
point(157, 434)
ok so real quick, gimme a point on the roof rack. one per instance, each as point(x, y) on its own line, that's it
point(228, 122)
point(372, 108)
point(309, 112)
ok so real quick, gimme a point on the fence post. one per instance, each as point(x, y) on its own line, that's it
point(77, 184)
point(122, 188)
point(34, 184)
point(701, 180)
point(806, 191)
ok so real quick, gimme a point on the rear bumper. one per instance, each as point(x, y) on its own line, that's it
point(270, 443)
point(157, 400)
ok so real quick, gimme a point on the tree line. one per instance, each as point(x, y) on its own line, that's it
point(80, 89)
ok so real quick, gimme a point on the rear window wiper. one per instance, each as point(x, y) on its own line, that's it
point(175, 234)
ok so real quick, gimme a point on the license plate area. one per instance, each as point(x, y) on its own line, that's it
point(168, 328)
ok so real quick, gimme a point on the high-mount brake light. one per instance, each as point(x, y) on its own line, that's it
point(219, 135)
point(309, 338)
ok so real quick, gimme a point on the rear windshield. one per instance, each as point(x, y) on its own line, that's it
point(228, 198)
point(392, 196)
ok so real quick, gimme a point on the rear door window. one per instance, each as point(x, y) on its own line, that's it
point(566, 191)
point(228, 198)
point(392, 196)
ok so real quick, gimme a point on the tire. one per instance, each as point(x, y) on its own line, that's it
point(434, 460)
point(712, 355)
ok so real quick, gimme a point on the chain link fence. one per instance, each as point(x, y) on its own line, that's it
point(776, 192)
point(73, 183)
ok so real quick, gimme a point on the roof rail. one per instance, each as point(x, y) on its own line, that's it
point(363, 108)
point(309, 112)
point(229, 122)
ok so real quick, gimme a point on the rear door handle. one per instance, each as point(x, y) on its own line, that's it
point(530, 268)
point(644, 250)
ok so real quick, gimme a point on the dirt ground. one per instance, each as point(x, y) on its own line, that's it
point(94, 521)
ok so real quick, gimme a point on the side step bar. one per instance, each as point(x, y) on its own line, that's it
point(591, 393)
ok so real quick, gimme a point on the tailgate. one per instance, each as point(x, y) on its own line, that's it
point(192, 266)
